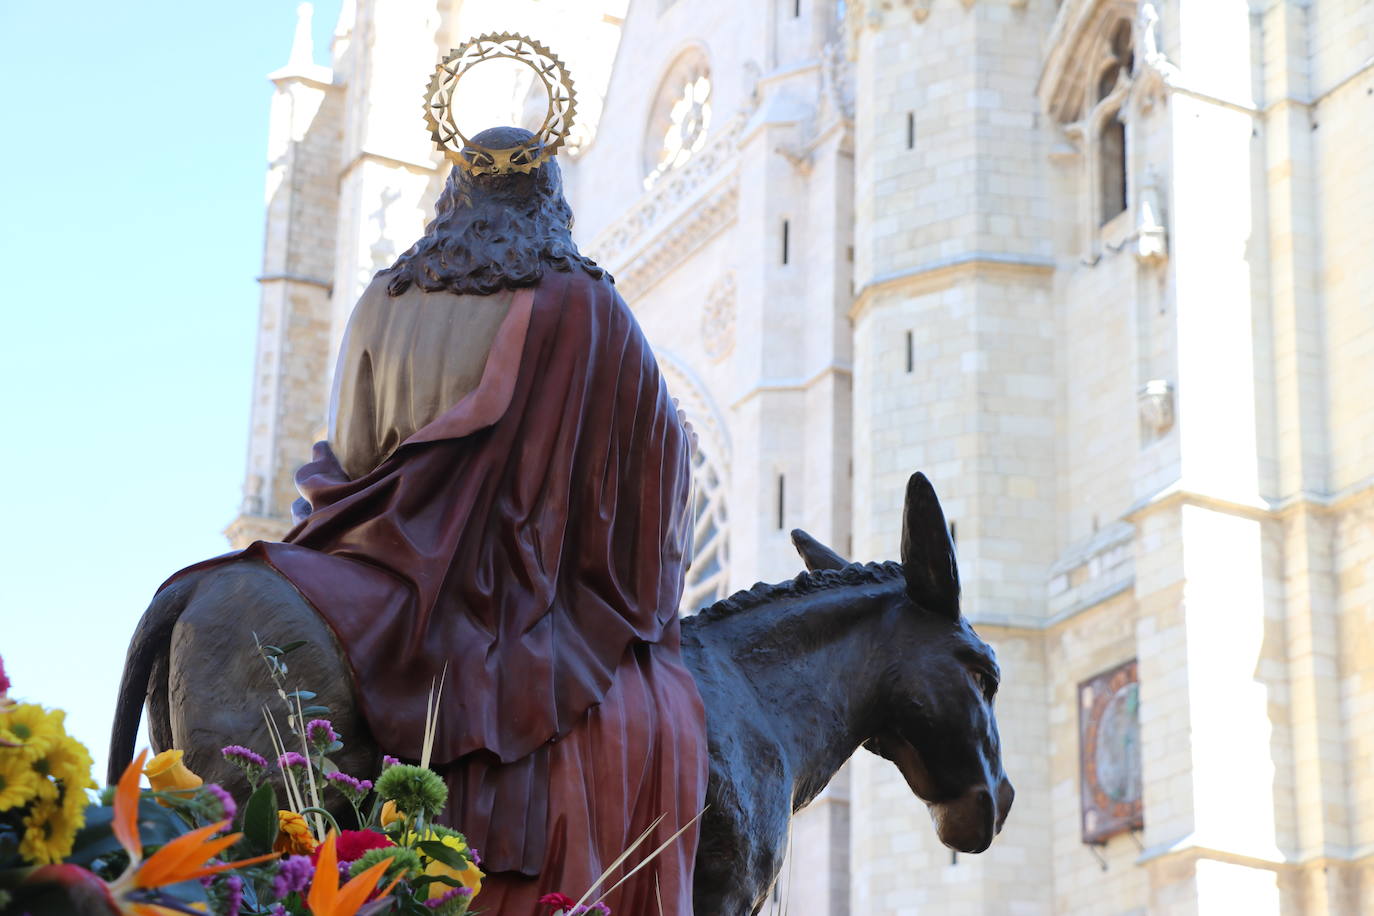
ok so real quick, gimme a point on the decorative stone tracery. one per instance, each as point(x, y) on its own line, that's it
point(708, 576)
point(1086, 86)
point(718, 319)
point(680, 116)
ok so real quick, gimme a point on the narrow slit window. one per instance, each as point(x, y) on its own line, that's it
point(1112, 158)
point(910, 352)
point(796, 9)
point(911, 130)
point(782, 492)
point(953, 534)
point(786, 231)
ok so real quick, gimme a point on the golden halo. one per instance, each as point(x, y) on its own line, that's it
point(479, 160)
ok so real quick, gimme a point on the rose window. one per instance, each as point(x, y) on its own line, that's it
point(681, 119)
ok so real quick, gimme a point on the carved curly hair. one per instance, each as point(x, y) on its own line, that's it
point(493, 232)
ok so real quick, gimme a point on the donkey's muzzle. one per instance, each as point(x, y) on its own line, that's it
point(969, 822)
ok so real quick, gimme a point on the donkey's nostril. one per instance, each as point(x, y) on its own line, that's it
point(1005, 796)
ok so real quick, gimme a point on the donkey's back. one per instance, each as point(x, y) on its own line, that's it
point(194, 659)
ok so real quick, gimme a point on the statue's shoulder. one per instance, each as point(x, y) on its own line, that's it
point(596, 293)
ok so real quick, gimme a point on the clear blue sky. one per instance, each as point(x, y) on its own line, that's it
point(132, 164)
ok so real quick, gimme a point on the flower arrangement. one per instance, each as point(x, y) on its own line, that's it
point(186, 846)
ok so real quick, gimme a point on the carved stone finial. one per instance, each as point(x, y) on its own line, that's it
point(1156, 403)
point(303, 44)
point(1152, 243)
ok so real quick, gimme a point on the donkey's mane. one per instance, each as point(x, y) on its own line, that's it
point(805, 583)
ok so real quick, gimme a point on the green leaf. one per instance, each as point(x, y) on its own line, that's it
point(260, 819)
point(328, 766)
point(315, 711)
point(156, 826)
point(272, 651)
point(292, 646)
point(437, 851)
point(334, 747)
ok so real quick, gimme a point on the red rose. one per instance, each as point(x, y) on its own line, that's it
point(353, 843)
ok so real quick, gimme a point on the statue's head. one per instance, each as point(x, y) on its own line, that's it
point(493, 231)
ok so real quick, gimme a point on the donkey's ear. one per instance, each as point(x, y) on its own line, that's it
point(932, 573)
point(815, 554)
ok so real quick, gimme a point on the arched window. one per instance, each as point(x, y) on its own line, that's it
point(707, 578)
point(1087, 87)
point(680, 116)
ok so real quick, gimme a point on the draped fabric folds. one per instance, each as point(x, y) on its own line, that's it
point(529, 542)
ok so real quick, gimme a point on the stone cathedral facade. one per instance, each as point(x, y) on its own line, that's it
point(1100, 268)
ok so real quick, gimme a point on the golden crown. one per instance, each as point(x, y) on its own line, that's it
point(525, 157)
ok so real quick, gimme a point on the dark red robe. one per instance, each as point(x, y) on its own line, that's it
point(532, 539)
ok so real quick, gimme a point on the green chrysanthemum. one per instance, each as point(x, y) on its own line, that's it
point(403, 860)
point(415, 790)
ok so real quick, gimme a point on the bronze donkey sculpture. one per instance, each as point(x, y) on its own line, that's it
point(795, 678)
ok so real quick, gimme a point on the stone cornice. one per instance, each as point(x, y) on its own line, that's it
point(945, 272)
point(665, 204)
point(296, 278)
point(247, 528)
point(419, 168)
point(672, 244)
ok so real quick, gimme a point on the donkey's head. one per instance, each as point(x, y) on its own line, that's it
point(934, 716)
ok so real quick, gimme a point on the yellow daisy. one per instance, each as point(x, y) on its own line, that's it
point(18, 781)
point(70, 763)
point(33, 727)
point(48, 834)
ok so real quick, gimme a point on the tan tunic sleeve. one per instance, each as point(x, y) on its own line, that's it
point(403, 362)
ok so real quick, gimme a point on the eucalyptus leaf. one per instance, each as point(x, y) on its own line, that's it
point(315, 711)
point(272, 651)
point(304, 696)
point(292, 646)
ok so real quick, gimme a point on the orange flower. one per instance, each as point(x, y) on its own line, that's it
point(293, 835)
point(327, 898)
point(166, 773)
point(181, 859)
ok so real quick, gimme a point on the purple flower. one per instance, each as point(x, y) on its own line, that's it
point(294, 874)
point(354, 788)
point(320, 733)
point(227, 805)
point(448, 895)
point(233, 895)
point(389, 761)
point(243, 757)
point(476, 858)
point(292, 759)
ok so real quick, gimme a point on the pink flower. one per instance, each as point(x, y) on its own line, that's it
point(226, 801)
point(291, 759)
point(557, 901)
point(320, 733)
